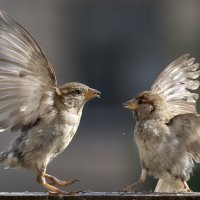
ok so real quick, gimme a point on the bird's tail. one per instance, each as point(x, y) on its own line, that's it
point(3, 157)
point(175, 186)
point(8, 159)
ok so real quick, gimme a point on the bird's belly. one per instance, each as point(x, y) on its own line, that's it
point(61, 141)
point(155, 162)
point(165, 160)
point(36, 149)
point(157, 150)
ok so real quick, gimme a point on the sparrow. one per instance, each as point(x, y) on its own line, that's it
point(45, 115)
point(167, 130)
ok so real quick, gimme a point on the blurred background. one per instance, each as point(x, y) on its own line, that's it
point(117, 47)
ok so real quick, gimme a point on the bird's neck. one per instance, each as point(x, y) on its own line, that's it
point(70, 118)
point(158, 114)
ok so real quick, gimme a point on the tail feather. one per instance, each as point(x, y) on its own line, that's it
point(3, 157)
point(9, 160)
point(175, 186)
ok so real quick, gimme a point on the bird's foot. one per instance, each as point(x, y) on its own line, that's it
point(59, 182)
point(186, 187)
point(129, 188)
point(66, 183)
point(132, 187)
point(63, 183)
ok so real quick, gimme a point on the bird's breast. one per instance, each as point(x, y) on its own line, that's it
point(64, 130)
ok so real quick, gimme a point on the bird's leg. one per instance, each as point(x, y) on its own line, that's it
point(186, 187)
point(53, 190)
point(59, 182)
point(132, 187)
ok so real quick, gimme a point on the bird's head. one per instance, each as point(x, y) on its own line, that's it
point(147, 105)
point(73, 96)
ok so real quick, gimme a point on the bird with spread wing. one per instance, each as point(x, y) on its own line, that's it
point(167, 130)
point(47, 116)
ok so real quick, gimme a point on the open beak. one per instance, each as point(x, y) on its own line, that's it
point(92, 93)
point(132, 105)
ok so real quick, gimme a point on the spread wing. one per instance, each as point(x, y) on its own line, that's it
point(27, 81)
point(187, 129)
point(176, 82)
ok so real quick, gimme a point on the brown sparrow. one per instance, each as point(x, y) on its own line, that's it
point(47, 116)
point(167, 130)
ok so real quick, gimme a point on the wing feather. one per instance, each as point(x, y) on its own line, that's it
point(187, 130)
point(27, 80)
point(175, 83)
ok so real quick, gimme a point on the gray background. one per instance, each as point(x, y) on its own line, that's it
point(118, 47)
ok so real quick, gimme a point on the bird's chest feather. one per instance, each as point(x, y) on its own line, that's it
point(64, 131)
point(45, 141)
point(151, 138)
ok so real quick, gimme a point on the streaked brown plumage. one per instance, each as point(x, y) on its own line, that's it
point(30, 101)
point(167, 131)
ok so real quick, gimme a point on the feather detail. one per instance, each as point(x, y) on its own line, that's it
point(175, 83)
point(171, 187)
point(187, 129)
point(27, 80)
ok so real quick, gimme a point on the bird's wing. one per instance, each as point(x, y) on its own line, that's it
point(27, 81)
point(186, 127)
point(175, 83)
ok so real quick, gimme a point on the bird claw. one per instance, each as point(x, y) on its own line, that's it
point(63, 183)
point(55, 181)
point(129, 188)
point(73, 181)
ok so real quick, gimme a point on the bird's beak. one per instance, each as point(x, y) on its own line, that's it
point(91, 93)
point(132, 105)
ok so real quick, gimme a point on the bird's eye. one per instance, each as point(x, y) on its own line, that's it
point(140, 101)
point(78, 91)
